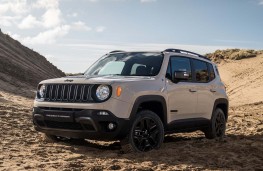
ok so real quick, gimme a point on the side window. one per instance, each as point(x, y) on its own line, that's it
point(200, 71)
point(211, 72)
point(181, 64)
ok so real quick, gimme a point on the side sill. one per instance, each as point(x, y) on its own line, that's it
point(187, 125)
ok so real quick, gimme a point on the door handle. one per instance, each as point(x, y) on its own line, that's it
point(192, 90)
point(213, 90)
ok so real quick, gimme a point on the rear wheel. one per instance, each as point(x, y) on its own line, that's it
point(147, 133)
point(217, 125)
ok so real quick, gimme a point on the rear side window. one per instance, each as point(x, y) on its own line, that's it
point(181, 64)
point(200, 71)
point(211, 72)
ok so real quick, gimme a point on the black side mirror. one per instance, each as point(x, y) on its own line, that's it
point(180, 75)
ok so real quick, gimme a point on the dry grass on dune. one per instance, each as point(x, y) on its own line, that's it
point(233, 54)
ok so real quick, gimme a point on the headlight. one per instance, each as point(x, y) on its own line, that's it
point(42, 91)
point(103, 92)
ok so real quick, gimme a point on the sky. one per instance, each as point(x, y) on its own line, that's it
point(72, 34)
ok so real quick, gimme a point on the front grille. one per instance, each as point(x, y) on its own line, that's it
point(71, 93)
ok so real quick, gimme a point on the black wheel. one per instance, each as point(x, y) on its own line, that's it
point(217, 125)
point(147, 133)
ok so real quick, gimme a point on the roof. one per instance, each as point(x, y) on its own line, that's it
point(174, 51)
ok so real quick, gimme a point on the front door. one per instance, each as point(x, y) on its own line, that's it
point(182, 95)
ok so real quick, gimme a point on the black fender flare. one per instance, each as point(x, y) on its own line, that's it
point(221, 101)
point(149, 98)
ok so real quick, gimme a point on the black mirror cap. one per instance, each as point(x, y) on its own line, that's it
point(180, 75)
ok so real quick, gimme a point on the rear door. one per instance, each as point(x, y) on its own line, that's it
point(204, 75)
point(182, 96)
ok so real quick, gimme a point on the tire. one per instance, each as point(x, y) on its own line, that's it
point(146, 134)
point(217, 125)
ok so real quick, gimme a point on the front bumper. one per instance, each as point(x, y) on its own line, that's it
point(79, 123)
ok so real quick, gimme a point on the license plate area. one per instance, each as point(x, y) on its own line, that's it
point(59, 116)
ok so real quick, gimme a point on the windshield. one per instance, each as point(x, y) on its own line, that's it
point(127, 64)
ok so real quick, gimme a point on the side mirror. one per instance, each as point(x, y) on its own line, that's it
point(180, 75)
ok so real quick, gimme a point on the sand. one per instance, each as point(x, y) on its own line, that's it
point(243, 80)
point(22, 148)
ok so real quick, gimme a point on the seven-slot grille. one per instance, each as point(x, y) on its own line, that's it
point(71, 93)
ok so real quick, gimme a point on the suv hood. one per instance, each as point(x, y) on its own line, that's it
point(109, 79)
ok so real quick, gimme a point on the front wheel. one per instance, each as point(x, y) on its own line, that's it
point(147, 133)
point(217, 125)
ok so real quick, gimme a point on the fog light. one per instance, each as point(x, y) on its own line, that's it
point(103, 113)
point(111, 126)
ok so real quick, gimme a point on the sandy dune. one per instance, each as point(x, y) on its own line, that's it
point(242, 149)
point(243, 80)
point(21, 68)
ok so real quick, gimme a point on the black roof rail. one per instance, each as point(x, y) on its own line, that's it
point(116, 51)
point(187, 52)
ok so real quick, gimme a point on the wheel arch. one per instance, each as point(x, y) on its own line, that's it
point(153, 103)
point(223, 104)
